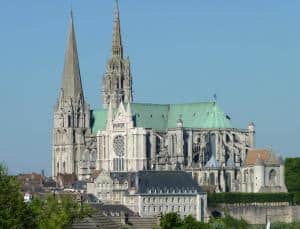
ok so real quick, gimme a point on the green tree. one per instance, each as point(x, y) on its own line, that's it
point(14, 213)
point(170, 221)
point(190, 222)
point(228, 222)
point(292, 172)
point(173, 221)
point(58, 212)
point(53, 212)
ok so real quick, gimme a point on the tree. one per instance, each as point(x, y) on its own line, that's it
point(14, 213)
point(292, 171)
point(170, 221)
point(190, 222)
point(53, 212)
point(58, 212)
point(228, 222)
point(173, 221)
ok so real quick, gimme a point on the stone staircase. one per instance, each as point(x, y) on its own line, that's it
point(99, 221)
point(135, 222)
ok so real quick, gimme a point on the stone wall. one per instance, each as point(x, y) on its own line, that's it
point(261, 213)
point(296, 213)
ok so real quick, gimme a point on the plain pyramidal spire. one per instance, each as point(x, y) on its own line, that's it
point(117, 48)
point(71, 85)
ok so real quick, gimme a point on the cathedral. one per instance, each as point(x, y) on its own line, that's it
point(124, 136)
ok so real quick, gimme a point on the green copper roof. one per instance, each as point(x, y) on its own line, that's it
point(98, 120)
point(161, 117)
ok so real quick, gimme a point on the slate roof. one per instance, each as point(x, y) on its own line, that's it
point(166, 182)
point(79, 185)
point(120, 176)
point(161, 117)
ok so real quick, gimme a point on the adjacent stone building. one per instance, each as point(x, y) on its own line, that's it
point(263, 171)
point(151, 193)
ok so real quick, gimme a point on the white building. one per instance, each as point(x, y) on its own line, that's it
point(263, 171)
point(152, 193)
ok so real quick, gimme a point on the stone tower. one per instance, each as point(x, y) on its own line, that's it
point(71, 114)
point(117, 82)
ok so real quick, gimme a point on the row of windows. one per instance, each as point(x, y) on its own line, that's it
point(118, 164)
point(159, 209)
point(115, 185)
point(168, 199)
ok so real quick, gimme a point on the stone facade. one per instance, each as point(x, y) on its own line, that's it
point(71, 116)
point(124, 136)
point(151, 193)
point(262, 172)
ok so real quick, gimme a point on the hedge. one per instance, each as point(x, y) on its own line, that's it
point(292, 171)
point(235, 197)
point(296, 198)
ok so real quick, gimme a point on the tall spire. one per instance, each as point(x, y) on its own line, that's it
point(117, 80)
point(117, 48)
point(71, 85)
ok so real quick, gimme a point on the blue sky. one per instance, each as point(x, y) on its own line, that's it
point(247, 52)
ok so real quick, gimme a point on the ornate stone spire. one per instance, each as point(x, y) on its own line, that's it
point(117, 48)
point(71, 116)
point(71, 81)
point(117, 80)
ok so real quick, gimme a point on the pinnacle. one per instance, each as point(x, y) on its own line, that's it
point(71, 84)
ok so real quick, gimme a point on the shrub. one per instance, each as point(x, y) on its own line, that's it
point(234, 197)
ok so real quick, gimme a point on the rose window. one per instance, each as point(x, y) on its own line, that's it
point(118, 145)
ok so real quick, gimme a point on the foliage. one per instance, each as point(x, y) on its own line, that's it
point(234, 197)
point(170, 221)
point(173, 221)
point(294, 225)
point(228, 222)
point(58, 212)
point(190, 222)
point(292, 171)
point(14, 213)
point(296, 198)
point(53, 212)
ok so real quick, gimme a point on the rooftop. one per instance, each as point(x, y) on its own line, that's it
point(261, 157)
point(160, 117)
point(166, 182)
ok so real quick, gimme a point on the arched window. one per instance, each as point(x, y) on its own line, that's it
point(212, 179)
point(228, 182)
point(205, 178)
point(64, 167)
point(245, 176)
point(272, 177)
point(122, 83)
point(158, 145)
point(69, 120)
point(196, 177)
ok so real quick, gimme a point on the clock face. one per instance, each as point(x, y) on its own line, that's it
point(119, 145)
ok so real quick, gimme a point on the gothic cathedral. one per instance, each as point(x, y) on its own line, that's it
point(124, 136)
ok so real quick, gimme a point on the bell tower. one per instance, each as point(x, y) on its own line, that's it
point(117, 80)
point(71, 114)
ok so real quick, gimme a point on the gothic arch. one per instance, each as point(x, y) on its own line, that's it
point(211, 179)
point(272, 177)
